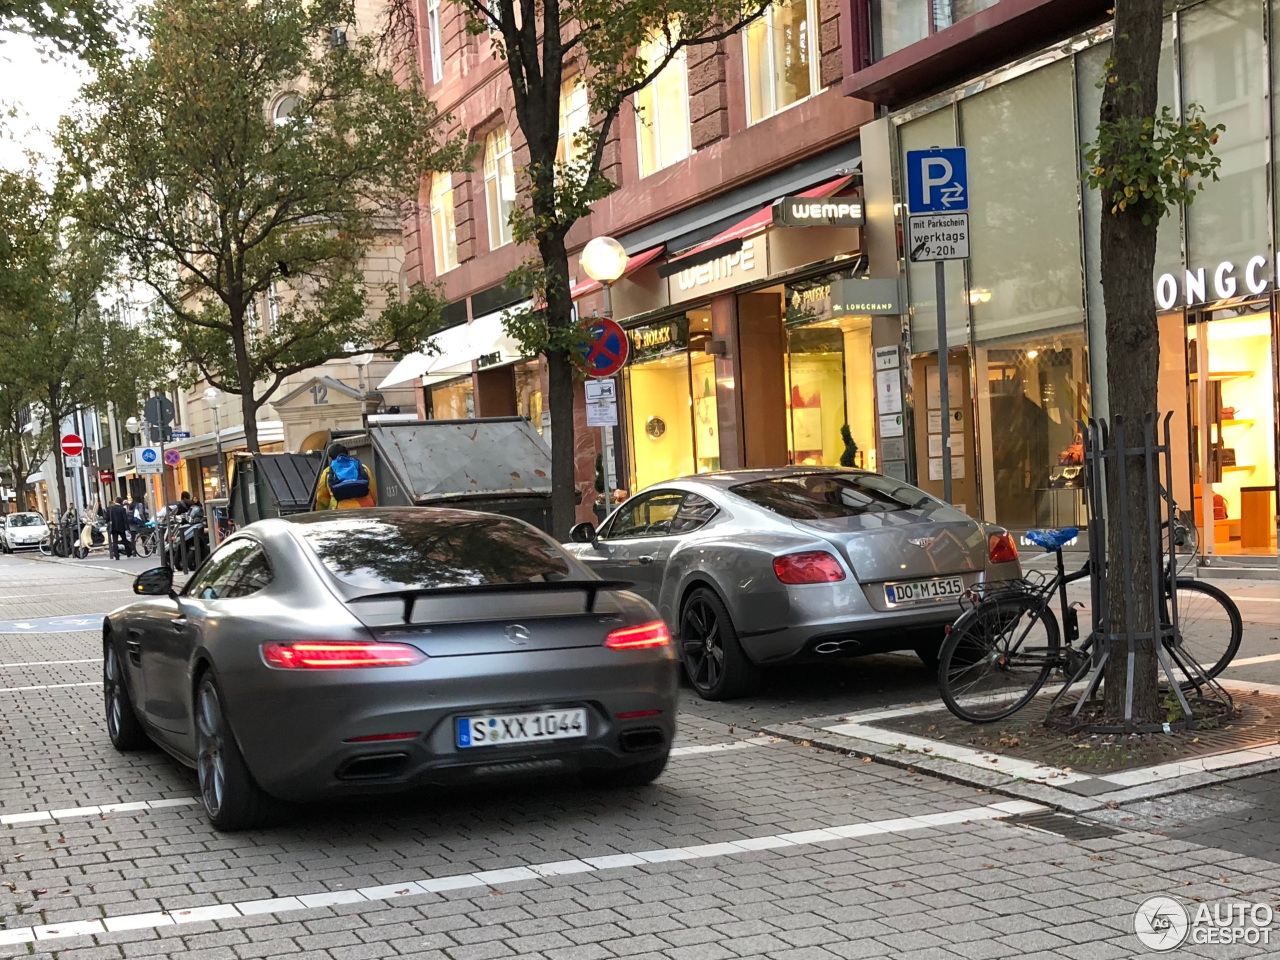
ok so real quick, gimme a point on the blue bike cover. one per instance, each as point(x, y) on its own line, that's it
point(1053, 539)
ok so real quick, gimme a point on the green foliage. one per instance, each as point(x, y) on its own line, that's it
point(849, 456)
point(601, 42)
point(233, 216)
point(69, 26)
point(62, 350)
point(1154, 164)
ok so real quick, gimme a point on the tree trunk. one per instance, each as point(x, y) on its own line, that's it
point(1128, 252)
point(248, 408)
point(560, 373)
point(56, 428)
point(564, 499)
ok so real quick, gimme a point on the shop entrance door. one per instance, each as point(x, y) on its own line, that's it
point(928, 429)
point(1232, 414)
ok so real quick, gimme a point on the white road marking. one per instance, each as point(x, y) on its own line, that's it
point(491, 878)
point(71, 813)
point(718, 747)
point(51, 686)
point(1269, 658)
point(47, 663)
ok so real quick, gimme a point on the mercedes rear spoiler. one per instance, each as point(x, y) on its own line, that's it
point(409, 597)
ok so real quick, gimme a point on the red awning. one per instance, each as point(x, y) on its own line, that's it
point(761, 219)
point(634, 262)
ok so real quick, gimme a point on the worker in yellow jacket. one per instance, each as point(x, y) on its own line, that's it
point(345, 483)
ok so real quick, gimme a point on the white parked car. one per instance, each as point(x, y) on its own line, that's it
point(22, 531)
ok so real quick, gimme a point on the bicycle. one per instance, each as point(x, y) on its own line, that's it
point(146, 541)
point(1002, 651)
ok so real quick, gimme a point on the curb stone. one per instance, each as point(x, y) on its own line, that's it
point(1060, 800)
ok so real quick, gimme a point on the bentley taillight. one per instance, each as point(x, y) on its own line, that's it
point(816, 566)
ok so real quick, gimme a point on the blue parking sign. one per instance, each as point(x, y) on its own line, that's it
point(937, 180)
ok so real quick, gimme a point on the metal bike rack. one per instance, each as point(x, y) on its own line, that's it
point(1108, 461)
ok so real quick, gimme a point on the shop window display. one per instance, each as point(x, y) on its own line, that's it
point(1236, 405)
point(529, 392)
point(1034, 394)
point(454, 400)
point(830, 384)
point(671, 400)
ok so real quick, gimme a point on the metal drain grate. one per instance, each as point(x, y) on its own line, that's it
point(1064, 826)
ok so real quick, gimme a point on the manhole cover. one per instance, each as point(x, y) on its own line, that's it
point(1025, 736)
point(1062, 825)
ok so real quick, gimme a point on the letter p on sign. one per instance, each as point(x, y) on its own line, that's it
point(937, 180)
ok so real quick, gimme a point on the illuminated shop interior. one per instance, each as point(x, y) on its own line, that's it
point(1236, 405)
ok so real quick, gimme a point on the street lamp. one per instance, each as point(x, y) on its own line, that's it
point(605, 261)
point(213, 397)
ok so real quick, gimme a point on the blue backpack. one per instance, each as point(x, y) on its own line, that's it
point(348, 479)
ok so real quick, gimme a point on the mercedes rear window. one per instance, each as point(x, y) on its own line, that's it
point(433, 548)
point(829, 496)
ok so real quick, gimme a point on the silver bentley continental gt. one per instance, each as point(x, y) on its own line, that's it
point(333, 654)
point(755, 567)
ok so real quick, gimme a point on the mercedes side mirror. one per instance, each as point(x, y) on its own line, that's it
point(156, 582)
point(584, 532)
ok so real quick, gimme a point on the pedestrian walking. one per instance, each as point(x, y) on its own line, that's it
point(345, 483)
point(118, 529)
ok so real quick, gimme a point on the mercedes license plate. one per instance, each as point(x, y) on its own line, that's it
point(513, 728)
point(912, 591)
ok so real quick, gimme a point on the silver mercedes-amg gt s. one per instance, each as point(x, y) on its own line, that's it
point(376, 650)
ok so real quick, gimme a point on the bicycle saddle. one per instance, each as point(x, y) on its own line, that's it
point(1053, 539)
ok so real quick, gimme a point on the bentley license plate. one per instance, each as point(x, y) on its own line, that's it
point(912, 591)
point(514, 728)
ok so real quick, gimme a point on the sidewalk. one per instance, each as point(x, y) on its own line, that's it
point(126, 566)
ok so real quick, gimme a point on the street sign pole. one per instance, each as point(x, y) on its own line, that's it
point(938, 230)
point(944, 378)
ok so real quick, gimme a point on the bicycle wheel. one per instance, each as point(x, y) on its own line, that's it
point(145, 545)
point(998, 656)
point(1209, 626)
point(46, 546)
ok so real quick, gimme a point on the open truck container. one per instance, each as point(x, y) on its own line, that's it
point(497, 464)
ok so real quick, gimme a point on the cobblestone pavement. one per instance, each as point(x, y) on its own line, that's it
point(754, 848)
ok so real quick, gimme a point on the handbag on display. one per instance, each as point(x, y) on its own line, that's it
point(1228, 413)
point(1219, 507)
point(1228, 456)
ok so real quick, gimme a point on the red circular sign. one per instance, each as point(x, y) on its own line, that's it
point(172, 457)
point(72, 445)
point(606, 348)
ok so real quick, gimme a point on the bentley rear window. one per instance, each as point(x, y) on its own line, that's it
point(398, 550)
point(828, 496)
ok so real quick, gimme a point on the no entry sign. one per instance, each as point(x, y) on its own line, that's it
point(72, 445)
point(606, 348)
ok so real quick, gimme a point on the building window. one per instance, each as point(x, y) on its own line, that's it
point(284, 109)
point(575, 113)
point(781, 58)
point(662, 109)
point(896, 24)
point(499, 186)
point(443, 227)
point(273, 307)
point(433, 38)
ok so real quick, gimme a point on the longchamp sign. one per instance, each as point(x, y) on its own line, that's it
point(1226, 280)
